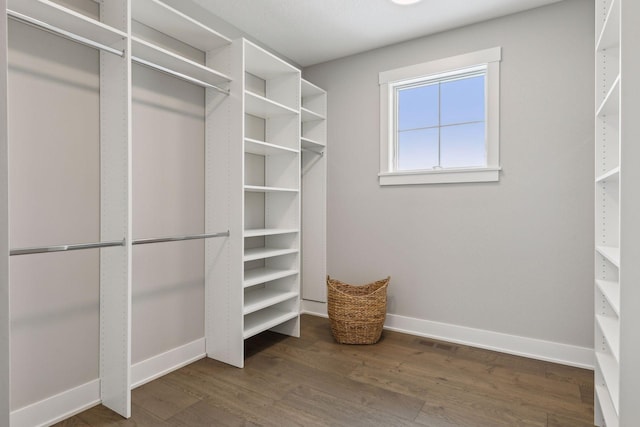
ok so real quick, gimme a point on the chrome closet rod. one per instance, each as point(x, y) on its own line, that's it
point(178, 75)
point(180, 238)
point(62, 248)
point(66, 34)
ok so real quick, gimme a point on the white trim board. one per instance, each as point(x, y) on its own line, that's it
point(169, 361)
point(58, 407)
point(549, 351)
point(73, 401)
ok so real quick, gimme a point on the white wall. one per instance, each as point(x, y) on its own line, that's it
point(513, 257)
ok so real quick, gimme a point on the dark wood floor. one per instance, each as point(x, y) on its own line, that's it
point(401, 381)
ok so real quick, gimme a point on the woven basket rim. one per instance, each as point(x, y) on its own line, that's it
point(383, 284)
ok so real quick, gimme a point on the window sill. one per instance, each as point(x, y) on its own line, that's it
point(440, 176)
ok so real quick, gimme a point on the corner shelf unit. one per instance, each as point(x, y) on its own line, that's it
point(258, 286)
point(617, 207)
point(313, 141)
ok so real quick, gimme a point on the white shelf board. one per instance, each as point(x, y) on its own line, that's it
point(260, 298)
point(610, 35)
point(263, 148)
point(261, 189)
point(608, 410)
point(611, 253)
point(259, 106)
point(176, 63)
point(611, 174)
point(262, 253)
point(610, 105)
point(162, 17)
point(611, 330)
point(66, 19)
point(611, 291)
point(611, 374)
point(259, 232)
point(262, 320)
point(311, 144)
point(257, 276)
point(310, 116)
point(309, 89)
point(265, 65)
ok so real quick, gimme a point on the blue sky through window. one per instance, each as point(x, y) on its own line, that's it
point(442, 124)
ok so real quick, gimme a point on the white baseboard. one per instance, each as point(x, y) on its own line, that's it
point(59, 407)
point(70, 402)
point(565, 354)
point(162, 364)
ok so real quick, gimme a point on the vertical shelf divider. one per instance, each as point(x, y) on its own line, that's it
point(223, 207)
point(116, 216)
point(5, 353)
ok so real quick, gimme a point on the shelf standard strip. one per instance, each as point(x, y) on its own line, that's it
point(16, 16)
point(63, 248)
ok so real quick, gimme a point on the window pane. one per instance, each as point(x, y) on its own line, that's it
point(462, 100)
point(418, 149)
point(463, 146)
point(418, 107)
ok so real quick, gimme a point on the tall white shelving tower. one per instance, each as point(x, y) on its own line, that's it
point(257, 278)
point(313, 141)
point(617, 233)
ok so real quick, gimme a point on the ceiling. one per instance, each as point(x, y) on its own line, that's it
point(313, 31)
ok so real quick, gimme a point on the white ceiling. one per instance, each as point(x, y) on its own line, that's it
point(313, 31)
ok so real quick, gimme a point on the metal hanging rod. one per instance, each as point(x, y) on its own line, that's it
point(59, 31)
point(178, 75)
point(180, 238)
point(62, 248)
point(309, 150)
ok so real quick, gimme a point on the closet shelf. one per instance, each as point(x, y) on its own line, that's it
point(164, 18)
point(65, 19)
point(262, 189)
point(259, 232)
point(611, 330)
point(311, 144)
point(262, 253)
point(258, 299)
point(611, 103)
point(613, 174)
point(611, 291)
point(265, 65)
point(607, 407)
point(611, 253)
point(308, 90)
point(263, 148)
point(262, 320)
point(150, 53)
point(609, 36)
point(610, 373)
point(259, 106)
point(258, 276)
point(310, 116)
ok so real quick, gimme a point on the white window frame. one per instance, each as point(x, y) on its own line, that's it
point(389, 80)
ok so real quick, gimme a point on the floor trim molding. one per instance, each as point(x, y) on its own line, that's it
point(549, 351)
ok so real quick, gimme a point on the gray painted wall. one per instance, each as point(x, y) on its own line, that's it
point(515, 256)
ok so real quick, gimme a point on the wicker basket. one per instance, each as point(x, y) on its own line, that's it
point(357, 313)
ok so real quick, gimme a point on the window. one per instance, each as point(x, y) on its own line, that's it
point(439, 121)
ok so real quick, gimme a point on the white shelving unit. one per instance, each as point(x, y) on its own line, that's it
point(258, 115)
point(617, 233)
point(313, 140)
point(258, 283)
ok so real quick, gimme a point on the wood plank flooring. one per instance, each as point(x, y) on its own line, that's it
point(401, 381)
